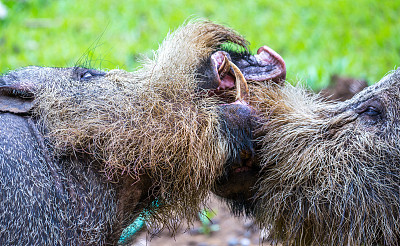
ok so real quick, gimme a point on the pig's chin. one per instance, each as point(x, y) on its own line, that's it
point(237, 184)
point(237, 189)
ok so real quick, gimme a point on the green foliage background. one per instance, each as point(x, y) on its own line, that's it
point(359, 38)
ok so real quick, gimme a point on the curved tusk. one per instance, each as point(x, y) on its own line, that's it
point(241, 83)
point(223, 70)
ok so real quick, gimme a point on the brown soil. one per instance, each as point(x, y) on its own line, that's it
point(233, 231)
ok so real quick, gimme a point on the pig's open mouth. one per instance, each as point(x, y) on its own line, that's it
point(233, 73)
point(241, 169)
point(266, 65)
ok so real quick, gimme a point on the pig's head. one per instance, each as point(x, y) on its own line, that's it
point(330, 171)
point(182, 118)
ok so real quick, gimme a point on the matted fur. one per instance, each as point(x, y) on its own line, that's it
point(154, 120)
point(329, 177)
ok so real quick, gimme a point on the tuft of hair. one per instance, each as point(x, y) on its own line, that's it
point(325, 180)
point(153, 121)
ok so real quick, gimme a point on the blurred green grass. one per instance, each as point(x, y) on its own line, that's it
point(359, 38)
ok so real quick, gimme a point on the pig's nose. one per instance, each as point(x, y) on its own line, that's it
point(247, 157)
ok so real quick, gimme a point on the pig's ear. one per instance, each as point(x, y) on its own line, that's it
point(16, 98)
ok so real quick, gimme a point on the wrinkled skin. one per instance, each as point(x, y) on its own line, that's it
point(330, 172)
point(51, 197)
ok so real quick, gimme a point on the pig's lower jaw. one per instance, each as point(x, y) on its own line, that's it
point(237, 184)
point(236, 189)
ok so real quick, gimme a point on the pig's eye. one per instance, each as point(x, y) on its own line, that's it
point(86, 75)
point(371, 111)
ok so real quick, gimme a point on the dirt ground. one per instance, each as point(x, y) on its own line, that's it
point(233, 231)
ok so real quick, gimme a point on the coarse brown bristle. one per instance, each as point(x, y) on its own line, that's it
point(325, 180)
point(154, 120)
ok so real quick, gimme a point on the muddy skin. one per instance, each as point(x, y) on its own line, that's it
point(83, 151)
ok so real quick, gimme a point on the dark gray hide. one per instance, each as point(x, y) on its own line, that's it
point(48, 199)
point(45, 201)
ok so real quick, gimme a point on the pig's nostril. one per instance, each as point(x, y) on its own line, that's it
point(245, 154)
point(246, 157)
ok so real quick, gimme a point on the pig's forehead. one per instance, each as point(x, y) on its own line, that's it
point(32, 70)
point(34, 73)
point(34, 76)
